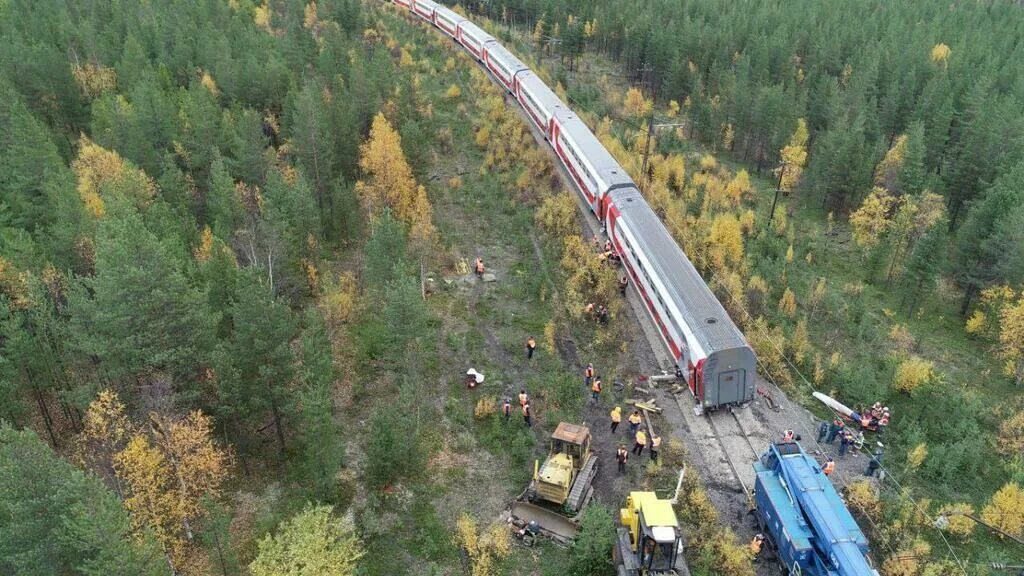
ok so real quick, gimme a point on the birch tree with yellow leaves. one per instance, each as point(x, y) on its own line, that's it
point(166, 473)
point(389, 182)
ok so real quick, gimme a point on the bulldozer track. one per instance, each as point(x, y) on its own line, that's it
point(582, 488)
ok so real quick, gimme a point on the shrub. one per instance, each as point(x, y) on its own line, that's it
point(596, 537)
point(485, 407)
point(913, 373)
point(957, 521)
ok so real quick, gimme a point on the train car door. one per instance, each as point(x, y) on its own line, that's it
point(730, 387)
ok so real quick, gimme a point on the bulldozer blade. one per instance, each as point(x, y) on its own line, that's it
point(552, 524)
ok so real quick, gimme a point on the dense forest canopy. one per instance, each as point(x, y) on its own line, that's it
point(220, 220)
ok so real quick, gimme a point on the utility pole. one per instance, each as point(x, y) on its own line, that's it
point(645, 70)
point(778, 189)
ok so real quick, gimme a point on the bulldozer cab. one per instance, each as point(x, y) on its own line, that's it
point(572, 440)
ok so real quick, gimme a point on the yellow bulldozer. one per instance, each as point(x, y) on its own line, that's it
point(649, 541)
point(561, 486)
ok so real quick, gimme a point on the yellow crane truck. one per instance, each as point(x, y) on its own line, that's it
point(648, 541)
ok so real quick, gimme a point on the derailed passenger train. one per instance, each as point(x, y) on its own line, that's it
point(708, 348)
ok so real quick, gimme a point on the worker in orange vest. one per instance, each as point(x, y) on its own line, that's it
point(755, 545)
point(588, 375)
point(531, 345)
point(829, 467)
point(621, 456)
point(523, 397)
point(641, 441)
point(788, 435)
point(616, 415)
point(595, 388)
point(478, 266)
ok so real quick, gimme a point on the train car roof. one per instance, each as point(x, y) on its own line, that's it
point(539, 90)
point(503, 54)
point(591, 148)
point(704, 315)
point(475, 31)
point(453, 15)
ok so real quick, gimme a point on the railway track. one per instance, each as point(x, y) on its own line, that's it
point(736, 446)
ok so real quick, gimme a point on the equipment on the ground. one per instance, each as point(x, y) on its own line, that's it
point(566, 477)
point(562, 486)
point(805, 520)
point(526, 532)
point(649, 540)
point(847, 413)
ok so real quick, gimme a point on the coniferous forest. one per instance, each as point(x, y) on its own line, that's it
point(233, 233)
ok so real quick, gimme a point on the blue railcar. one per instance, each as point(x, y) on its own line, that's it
point(804, 517)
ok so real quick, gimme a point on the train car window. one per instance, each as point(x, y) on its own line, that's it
point(532, 103)
point(579, 164)
point(501, 65)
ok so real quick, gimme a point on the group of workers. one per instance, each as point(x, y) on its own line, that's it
point(829, 431)
point(874, 418)
point(640, 440)
point(524, 407)
point(606, 253)
point(597, 311)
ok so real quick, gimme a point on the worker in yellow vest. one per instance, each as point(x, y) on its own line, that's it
point(616, 415)
point(523, 397)
point(641, 441)
point(634, 421)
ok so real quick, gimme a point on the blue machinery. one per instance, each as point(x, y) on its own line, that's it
point(804, 517)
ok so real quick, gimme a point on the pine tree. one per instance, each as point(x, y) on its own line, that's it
point(138, 314)
point(261, 356)
point(912, 174)
point(977, 252)
point(924, 264)
point(385, 253)
point(55, 519)
point(323, 450)
point(32, 173)
point(393, 447)
point(313, 139)
point(223, 209)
